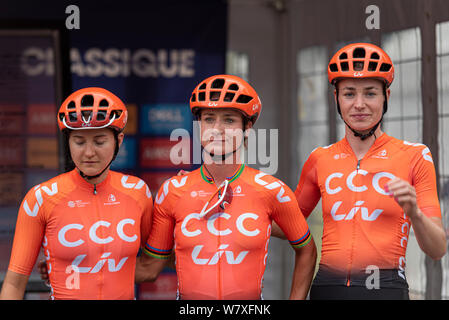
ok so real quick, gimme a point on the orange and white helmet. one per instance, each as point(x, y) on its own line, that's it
point(92, 108)
point(361, 60)
point(226, 91)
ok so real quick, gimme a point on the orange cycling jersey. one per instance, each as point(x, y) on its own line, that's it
point(362, 225)
point(90, 234)
point(223, 254)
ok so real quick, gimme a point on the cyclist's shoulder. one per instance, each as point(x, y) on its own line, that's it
point(175, 186)
point(47, 194)
point(130, 184)
point(416, 150)
point(264, 182)
point(185, 181)
point(322, 152)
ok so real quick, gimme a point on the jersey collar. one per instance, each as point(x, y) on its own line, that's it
point(378, 143)
point(80, 182)
point(210, 180)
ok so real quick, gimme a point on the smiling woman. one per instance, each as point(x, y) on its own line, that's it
point(373, 187)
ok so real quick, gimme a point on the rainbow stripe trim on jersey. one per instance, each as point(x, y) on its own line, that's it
point(301, 242)
point(230, 179)
point(156, 253)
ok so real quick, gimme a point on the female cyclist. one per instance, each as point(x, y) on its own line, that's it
point(218, 217)
point(374, 188)
point(90, 221)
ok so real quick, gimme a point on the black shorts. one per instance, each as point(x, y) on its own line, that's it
point(338, 292)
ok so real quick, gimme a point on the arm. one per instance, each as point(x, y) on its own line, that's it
point(429, 231)
point(305, 261)
point(308, 192)
point(276, 231)
point(290, 221)
point(26, 245)
point(14, 286)
point(148, 268)
point(157, 250)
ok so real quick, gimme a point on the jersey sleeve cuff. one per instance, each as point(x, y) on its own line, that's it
point(156, 253)
point(301, 242)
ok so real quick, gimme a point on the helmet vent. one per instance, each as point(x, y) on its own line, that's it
point(218, 84)
point(244, 98)
point(358, 53)
point(104, 103)
point(344, 66)
point(372, 66)
point(229, 96)
point(203, 86)
point(201, 96)
point(385, 67)
point(344, 55)
point(87, 100)
point(193, 99)
point(358, 65)
point(233, 86)
point(333, 67)
point(117, 114)
point(71, 105)
point(374, 55)
point(73, 117)
point(101, 115)
point(214, 96)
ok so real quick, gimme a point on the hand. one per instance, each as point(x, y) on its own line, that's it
point(405, 196)
point(42, 267)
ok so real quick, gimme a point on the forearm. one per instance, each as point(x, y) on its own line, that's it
point(148, 268)
point(430, 235)
point(305, 261)
point(14, 286)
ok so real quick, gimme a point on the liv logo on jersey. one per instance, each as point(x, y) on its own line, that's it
point(160, 197)
point(271, 186)
point(112, 266)
point(40, 200)
point(136, 186)
point(230, 259)
point(357, 207)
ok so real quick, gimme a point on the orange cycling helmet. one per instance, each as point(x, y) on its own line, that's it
point(361, 60)
point(226, 91)
point(92, 108)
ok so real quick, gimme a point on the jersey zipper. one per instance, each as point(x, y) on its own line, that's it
point(348, 277)
point(100, 273)
point(219, 278)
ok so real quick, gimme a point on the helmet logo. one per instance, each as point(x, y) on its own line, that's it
point(213, 104)
point(86, 123)
point(358, 74)
point(255, 107)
